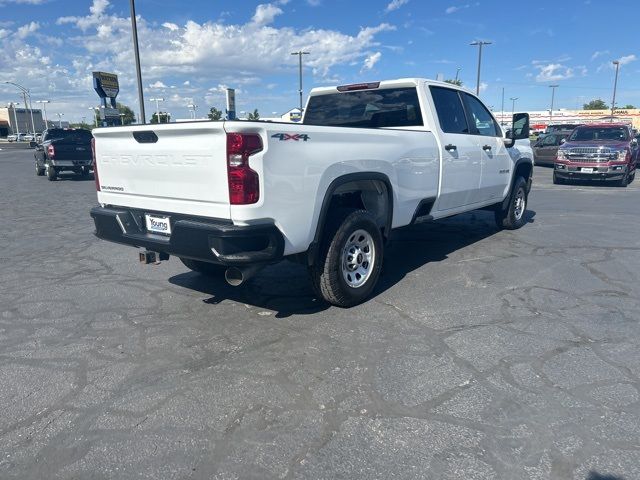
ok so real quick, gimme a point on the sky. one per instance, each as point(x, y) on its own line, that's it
point(191, 50)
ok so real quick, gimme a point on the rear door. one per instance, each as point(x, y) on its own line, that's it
point(461, 169)
point(176, 167)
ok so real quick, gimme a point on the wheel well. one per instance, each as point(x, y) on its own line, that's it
point(523, 170)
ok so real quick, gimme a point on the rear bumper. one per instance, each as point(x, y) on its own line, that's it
point(70, 164)
point(208, 240)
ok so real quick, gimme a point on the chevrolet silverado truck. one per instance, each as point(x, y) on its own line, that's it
point(235, 196)
point(604, 151)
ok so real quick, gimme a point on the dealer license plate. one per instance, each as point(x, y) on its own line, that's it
point(156, 224)
point(586, 170)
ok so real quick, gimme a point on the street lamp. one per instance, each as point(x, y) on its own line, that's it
point(25, 94)
point(44, 110)
point(480, 44)
point(615, 85)
point(121, 118)
point(192, 108)
point(15, 117)
point(60, 115)
point(300, 53)
point(95, 114)
point(513, 105)
point(157, 100)
point(553, 93)
point(457, 73)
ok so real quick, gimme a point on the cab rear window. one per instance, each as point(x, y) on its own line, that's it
point(69, 134)
point(388, 107)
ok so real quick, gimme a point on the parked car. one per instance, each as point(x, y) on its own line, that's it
point(231, 197)
point(557, 127)
point(64, 149)
point(546, 147)
point(16, 137)
point(28, 137)
point(598, 152)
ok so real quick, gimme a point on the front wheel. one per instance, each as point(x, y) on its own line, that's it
point(350, 259)
point(50, 172)
point(557, 180)
point(512, 217)
point(624, 181)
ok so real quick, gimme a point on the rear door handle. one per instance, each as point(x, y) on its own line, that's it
point(450, 147)
point(486, 147)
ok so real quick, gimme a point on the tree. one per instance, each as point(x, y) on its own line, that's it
point(254, 115)
point(454, 81)
point(214, 114)
point(596, 105)
point(629, 107)
point(164, 117)
point(126, 114)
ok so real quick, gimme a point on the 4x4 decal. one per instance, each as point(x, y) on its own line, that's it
point(283, 137)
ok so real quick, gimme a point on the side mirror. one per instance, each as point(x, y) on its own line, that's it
point(519, 129)
point(563, 141)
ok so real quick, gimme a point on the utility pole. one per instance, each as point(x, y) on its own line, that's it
point(60, 115)
point(192, 110)
point(553, 92)
point(300, 54)
point(15, 118)
point(615, 85)
point(457, 73)
point(480, 44)
point(136, 51)
point(25, 94)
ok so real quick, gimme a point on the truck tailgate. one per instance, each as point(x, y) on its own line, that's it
point(177, 167)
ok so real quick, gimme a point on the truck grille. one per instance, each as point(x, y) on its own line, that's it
point(591, 154)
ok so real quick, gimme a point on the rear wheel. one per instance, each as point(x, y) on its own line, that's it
point(512, 217)
point(39, 170)
point(205, 268)
point(50, 172)
point(85, 171)
point(350, 259)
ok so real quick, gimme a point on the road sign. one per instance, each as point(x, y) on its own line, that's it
point(106, 84)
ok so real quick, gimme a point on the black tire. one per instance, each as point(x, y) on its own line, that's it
point(85, 171)
point(204, 268)
point(512, 217)
point(624, 181)
point(39, 170)
point(632, 177)
point(345, 285)
point(50, 172)
point(557, 180)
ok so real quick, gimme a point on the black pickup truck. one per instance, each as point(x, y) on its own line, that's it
point(64, 149)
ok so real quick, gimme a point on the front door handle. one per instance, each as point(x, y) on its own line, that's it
point(486, 147)
point(450, 147)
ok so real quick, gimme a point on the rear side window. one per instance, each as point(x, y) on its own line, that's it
point(450, 111)
point(388, 107)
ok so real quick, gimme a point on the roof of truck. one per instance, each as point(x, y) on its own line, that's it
point(399, 82)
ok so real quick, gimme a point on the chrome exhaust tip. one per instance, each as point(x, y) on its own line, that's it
point(236, 276)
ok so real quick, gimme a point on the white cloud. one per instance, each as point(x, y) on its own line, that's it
point(24, 2)
point(599, 53)
point(553, 72)
point(627, 59)
point(26, 30)
point(265, 14)
point(483, 86)
point(371, 60)
point(451, 10)
point(454, 9)
point(171, 26)
point(158, 84)
point(395, 5)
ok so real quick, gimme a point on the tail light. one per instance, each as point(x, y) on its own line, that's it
point(95, 164)
point(244, 183)
point(51, 151)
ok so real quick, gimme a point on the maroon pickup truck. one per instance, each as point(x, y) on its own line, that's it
point(605, 151)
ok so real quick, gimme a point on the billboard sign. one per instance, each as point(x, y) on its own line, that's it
point(106, 84)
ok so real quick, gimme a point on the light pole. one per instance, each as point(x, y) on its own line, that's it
point(553, 93)
point(615, 86)
point(480, 44)
point(157, 100)
point(457, 73)
point(300, 53)
point(502, 109)
point(513, 105)
point(192, 108)
point(44, 110)
point(136, 51)
point(25, 94)
point(121, 118)
point(95, 114)
point(15, 117)
point(60, 115)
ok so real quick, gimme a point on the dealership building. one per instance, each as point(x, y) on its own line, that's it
point(18, 120)
point(541, 118)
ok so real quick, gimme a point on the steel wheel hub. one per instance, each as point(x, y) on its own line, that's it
point(520, 204)
point(358, 258)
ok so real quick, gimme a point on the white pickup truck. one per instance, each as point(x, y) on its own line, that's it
point(234, 196)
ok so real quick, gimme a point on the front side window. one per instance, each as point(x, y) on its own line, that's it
point(375, 108)
point(549, 140)
point(480, 116)
point(450, 111)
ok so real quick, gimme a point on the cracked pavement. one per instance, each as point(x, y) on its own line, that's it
point(484, 354)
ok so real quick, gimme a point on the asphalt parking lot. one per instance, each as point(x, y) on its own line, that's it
point(484, 354)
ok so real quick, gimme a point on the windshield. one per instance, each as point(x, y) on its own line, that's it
point(389, 107)
point(68, 134)
point(582, 134)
